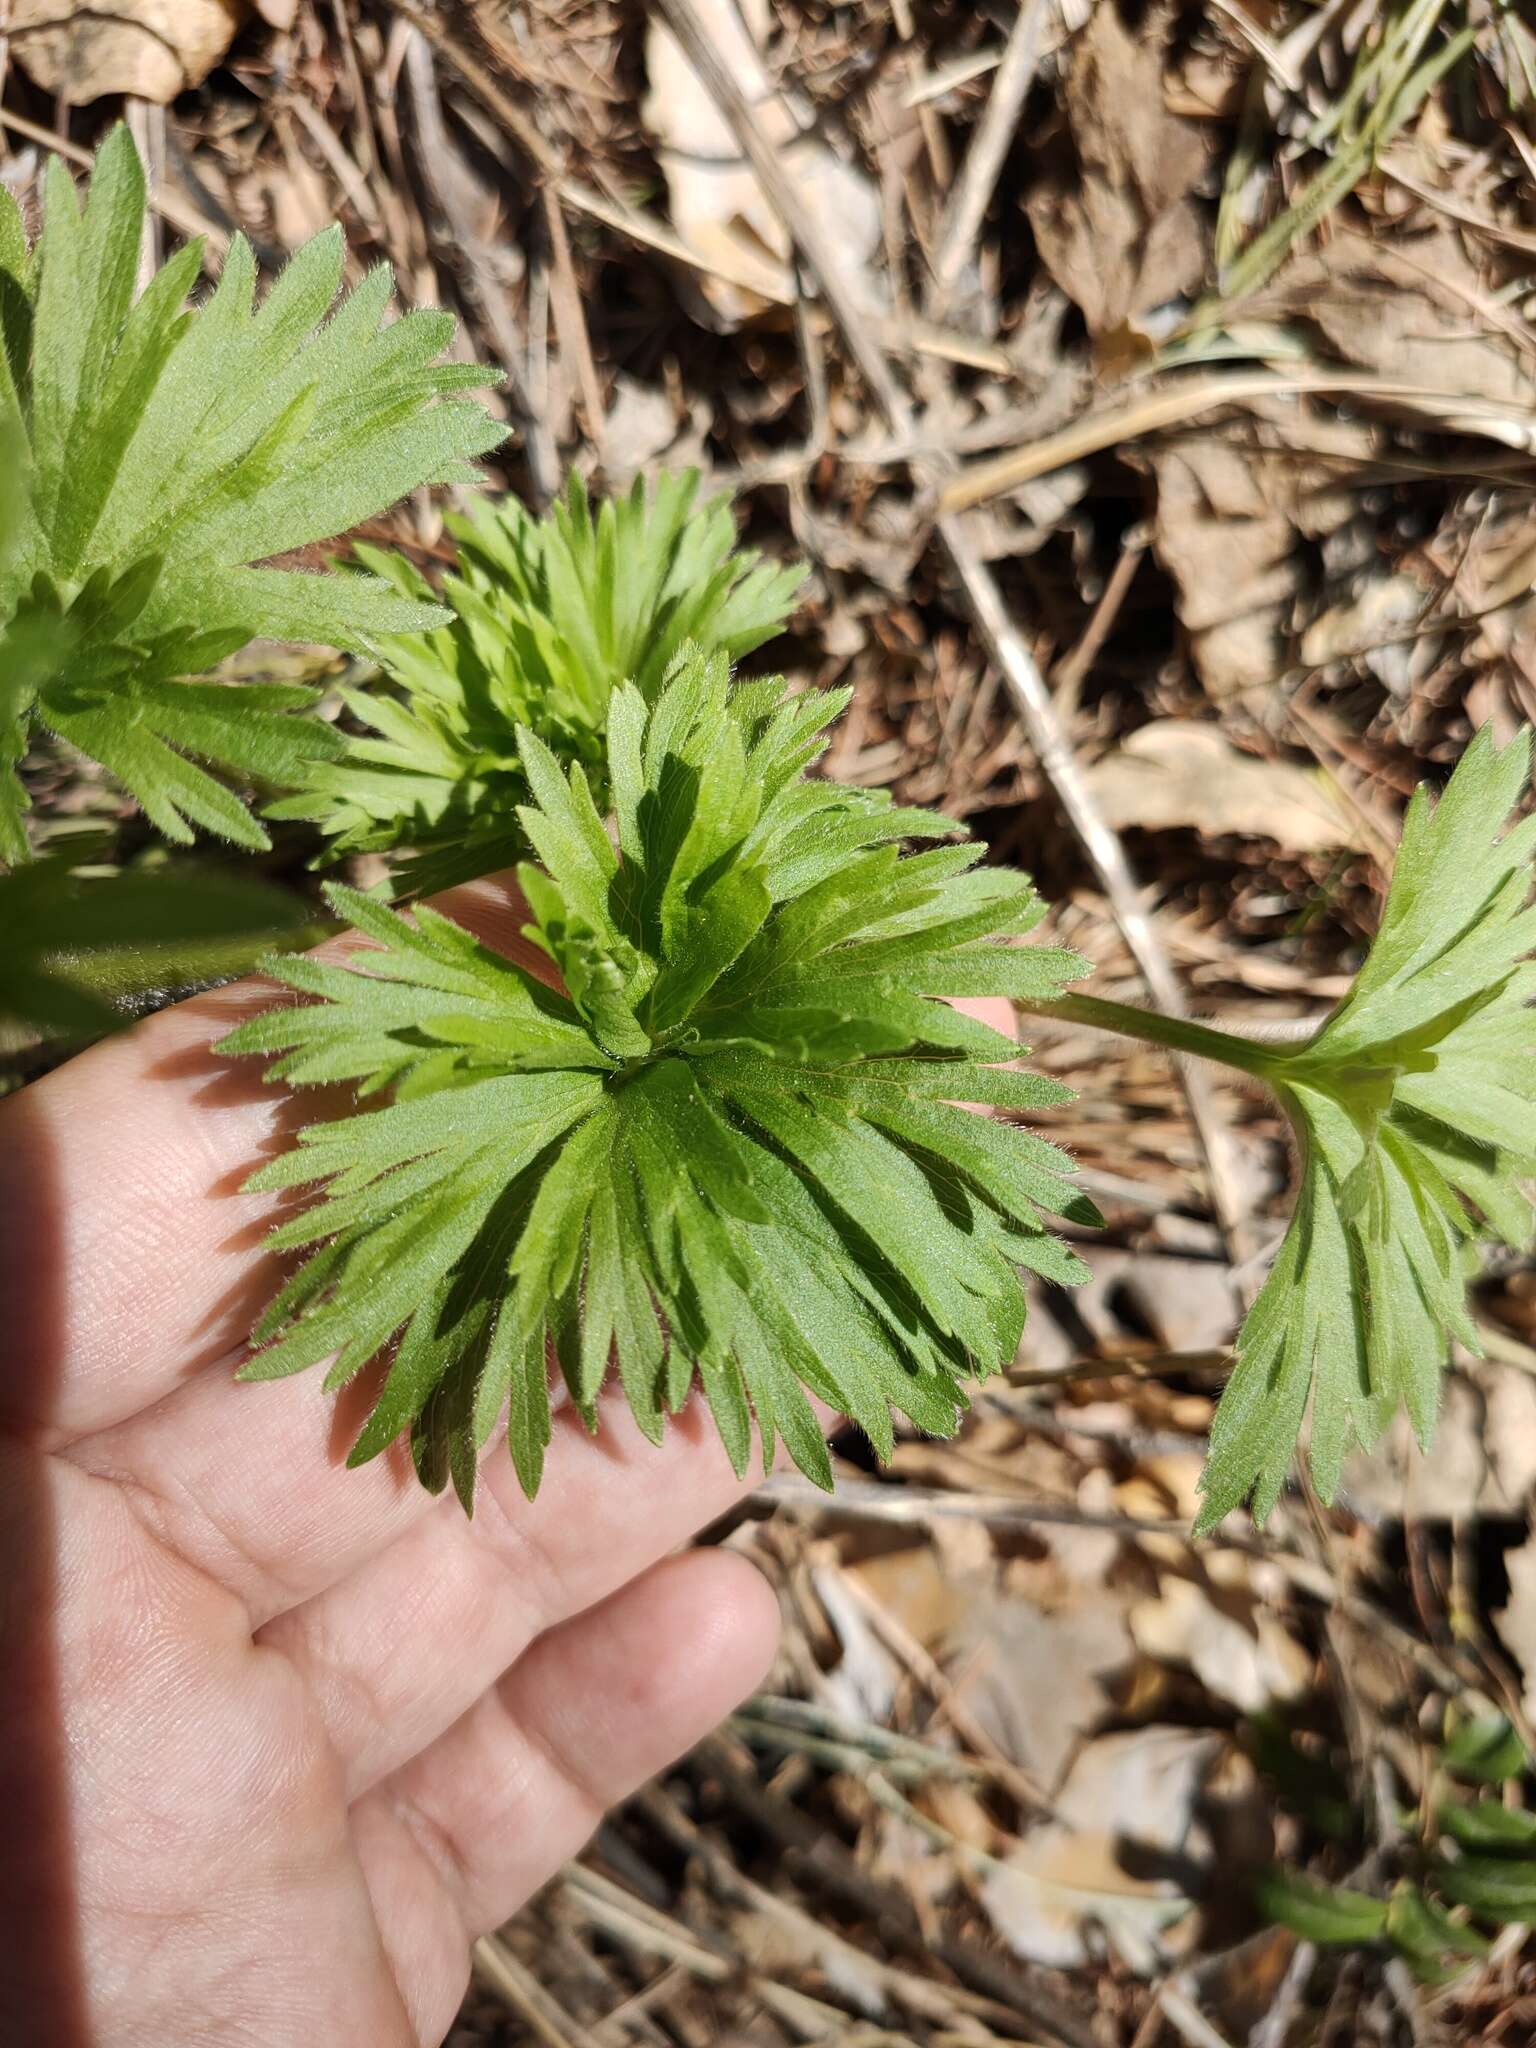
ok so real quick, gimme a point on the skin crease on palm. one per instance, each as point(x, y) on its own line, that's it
point(283, 1739)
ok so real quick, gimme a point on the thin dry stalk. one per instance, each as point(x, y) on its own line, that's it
point(184, 218)
point(1275, 57)
point(898, 335)
point(1273, 2030)
point(463, 60)
point(1053, 750)
point(642, 1926)
point(348, 175)
point(934, 85)
point(1443, 202)
point(988, 151)
point(1188, 398)
point(822, 260)
point(915, 337)
point(146, 124)
point(1157, 1365)
point(810, 1938)
point(1070, 673)
point(475, 265)
point(646, 1931)
point(1024, 1787)
point(820, 1946)
point(367, 141)
point(908, 1505)
point(935, 142)
point(498, 1968)
point(571, 321)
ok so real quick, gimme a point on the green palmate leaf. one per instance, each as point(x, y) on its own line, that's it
point(1415, 1108)
point(549, 617)
point(152, 455)
point(728, 1153)
point(81, 945)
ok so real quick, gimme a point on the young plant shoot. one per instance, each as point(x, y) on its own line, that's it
point(151, 454)
point(550, 616)
point(730, 1152)
point(1414, 1109)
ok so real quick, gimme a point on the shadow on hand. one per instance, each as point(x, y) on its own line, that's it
point(42, 1990)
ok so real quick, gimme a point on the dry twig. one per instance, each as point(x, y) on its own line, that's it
point(497, 1966)
point(1187, 398)
point(988, 150)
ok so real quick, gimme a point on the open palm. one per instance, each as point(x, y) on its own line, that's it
point(282, 1738)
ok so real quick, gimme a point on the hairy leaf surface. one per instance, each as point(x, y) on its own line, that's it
point(152, 454)
point(550, 616)
point(1415, 1108)
point(726, 1153)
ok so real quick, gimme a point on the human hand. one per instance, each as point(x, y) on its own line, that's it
point(282, 1739)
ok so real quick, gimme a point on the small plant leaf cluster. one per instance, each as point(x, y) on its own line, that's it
point(728, 1153)
point(550, 616)
point(152, 454)
point(1478, 1872)
point(1415, 1109)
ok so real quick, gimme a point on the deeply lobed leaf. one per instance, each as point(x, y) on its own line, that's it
point(1415, 1109)
point(550, 616)
point(152, 454)
point(726, 1152)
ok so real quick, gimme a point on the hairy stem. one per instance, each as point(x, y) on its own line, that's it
point(1178, 1034)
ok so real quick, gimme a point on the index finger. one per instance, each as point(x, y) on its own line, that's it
point(129, 1255)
